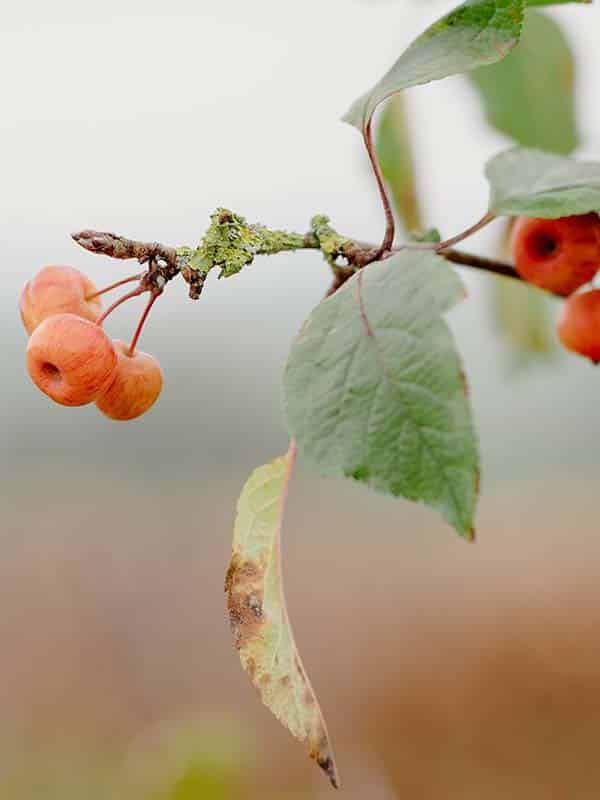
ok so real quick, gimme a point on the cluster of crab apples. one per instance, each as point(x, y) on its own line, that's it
point(70, 357)
point(563, 257)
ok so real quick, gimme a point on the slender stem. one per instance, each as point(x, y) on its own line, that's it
point(489, 217)
point(478, 262)
point(456, 256)
point(487, 265)
point(134, 293)
point(390, 228)
point(143, 318)
point(114, 286)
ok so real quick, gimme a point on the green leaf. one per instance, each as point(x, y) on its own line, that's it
point(395, 153)
point(476, 33)
point(537, 184)
point(258, 614)
point(529, 95)
point(374, 389)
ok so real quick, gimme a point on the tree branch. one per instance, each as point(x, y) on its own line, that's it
point(110, 244)
point(479, 262)
point(231, 244)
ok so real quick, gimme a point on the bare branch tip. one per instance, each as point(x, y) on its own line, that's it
point(91, 240)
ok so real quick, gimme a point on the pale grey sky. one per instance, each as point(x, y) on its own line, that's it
point(142, 117)
point(130, 112)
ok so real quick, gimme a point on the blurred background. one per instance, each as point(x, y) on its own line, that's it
point(445, 670)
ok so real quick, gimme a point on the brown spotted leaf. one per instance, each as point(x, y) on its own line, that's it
point(258, 615)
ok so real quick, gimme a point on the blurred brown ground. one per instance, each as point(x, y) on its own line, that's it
point(445, 670)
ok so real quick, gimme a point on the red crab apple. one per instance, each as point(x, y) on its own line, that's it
point(579, 324)
point(71, 359)
point(559, 255)
point(58, 290)
point(135, 387)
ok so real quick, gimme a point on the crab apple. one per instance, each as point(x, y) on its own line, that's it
point(136, 385)
point(71, 359)
point(579, 324)
point(58, 290)
point(559, 255)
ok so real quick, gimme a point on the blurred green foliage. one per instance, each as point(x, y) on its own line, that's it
point(524, 317)
point(187, 760)
point(530, 95)
point(395, 153)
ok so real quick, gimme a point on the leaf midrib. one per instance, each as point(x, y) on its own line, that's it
point(370, 332)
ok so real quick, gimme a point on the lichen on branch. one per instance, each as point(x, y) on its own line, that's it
point(230, 244)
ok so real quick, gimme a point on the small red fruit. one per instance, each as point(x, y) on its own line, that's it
point(579, 324)
point(559, 255)
point(58, 290)
point(71, 359)
point(135, 387)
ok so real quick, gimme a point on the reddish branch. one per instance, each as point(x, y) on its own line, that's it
point(115, 285)
point(134, 293)
point(489, 217)
point(140, 326)
point(390, 226)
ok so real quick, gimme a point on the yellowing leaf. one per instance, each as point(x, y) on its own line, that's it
point(258, 615)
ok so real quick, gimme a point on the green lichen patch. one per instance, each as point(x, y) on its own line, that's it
point(231, 243)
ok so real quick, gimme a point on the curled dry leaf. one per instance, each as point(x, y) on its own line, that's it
point(258, 615)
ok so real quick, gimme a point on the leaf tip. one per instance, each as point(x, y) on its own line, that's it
point(327, 764)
